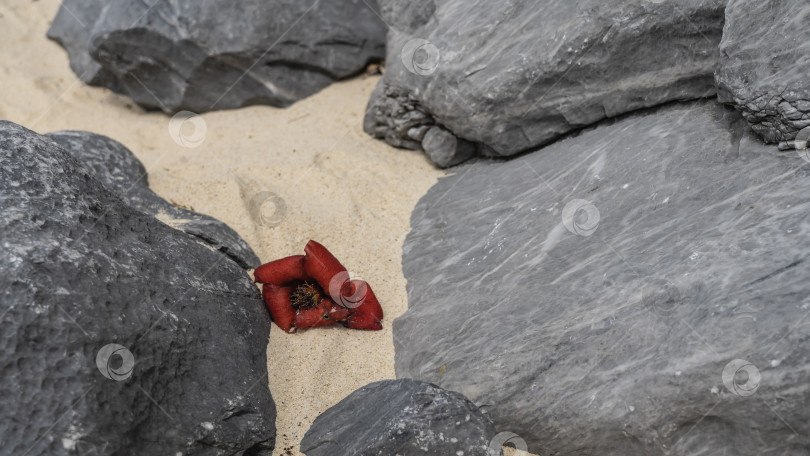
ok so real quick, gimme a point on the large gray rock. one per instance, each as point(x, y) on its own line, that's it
point(120, 171)
point(202, 55)
point(71, 29)
point(763, 71)
point(402, 417)
point(590, 296)
point(512, 76)
point(80, 269)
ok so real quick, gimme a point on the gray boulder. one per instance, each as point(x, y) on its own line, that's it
point(597, 298)
point(763, 69)
point(71, 29)
point(212, 54)
point(512, 76)
point(402, 417)
point(121, 172)
point(120, 335)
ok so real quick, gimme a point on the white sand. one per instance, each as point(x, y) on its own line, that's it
point(342, 188)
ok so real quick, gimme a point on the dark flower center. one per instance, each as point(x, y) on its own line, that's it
point(305, 296)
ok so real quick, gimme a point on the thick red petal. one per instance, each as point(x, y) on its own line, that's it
point(281, 271)
point(277, 300)
point(321, 265)
point(369, 314)
point(324, 314)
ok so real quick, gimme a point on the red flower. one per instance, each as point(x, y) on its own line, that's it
point(307, 291)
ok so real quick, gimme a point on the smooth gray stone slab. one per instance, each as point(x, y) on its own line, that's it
point(203, 55)
point(402, 417)
point(693, 251)
point(81, 269)
point(763, 70)
point(512, 76)
point(120, 171)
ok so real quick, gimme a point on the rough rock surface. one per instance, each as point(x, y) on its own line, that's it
point(81, 269)
point(765, 53)
point(212, 54)
point(120, 171)
point(403, 417)
point(512, 76)
point(692, 252)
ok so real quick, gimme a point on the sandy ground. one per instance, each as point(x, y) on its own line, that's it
point(340, 187)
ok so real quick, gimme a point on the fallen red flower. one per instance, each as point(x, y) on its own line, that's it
point(312, 290)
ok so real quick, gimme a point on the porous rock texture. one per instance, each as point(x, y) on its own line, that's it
point(403, 417)
point(120, 171)
point(202, 55)
point(512, 76)
point(81, 269)
point(765, 53)
point(596, 298)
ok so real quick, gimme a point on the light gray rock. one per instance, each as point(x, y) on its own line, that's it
point(402, 417)
point(763, 71)
point(512, 76)
point(590, 296)
point(445, 149)
point(202, 55)
point(81, 269)
point(120, 171)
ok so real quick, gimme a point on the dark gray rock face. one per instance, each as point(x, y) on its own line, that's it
point(403, 417)
point(81, 269)
point(71, 29)
point(512, 76)
point(214, 54)
point(763, 72)
point(594, 297)
point(120, 171)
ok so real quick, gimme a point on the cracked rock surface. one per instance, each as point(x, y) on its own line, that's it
point(763, 70)
point(203, 55)
point(403, 417)
point(82, 268)
point(594, 297)
point(512, 76)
